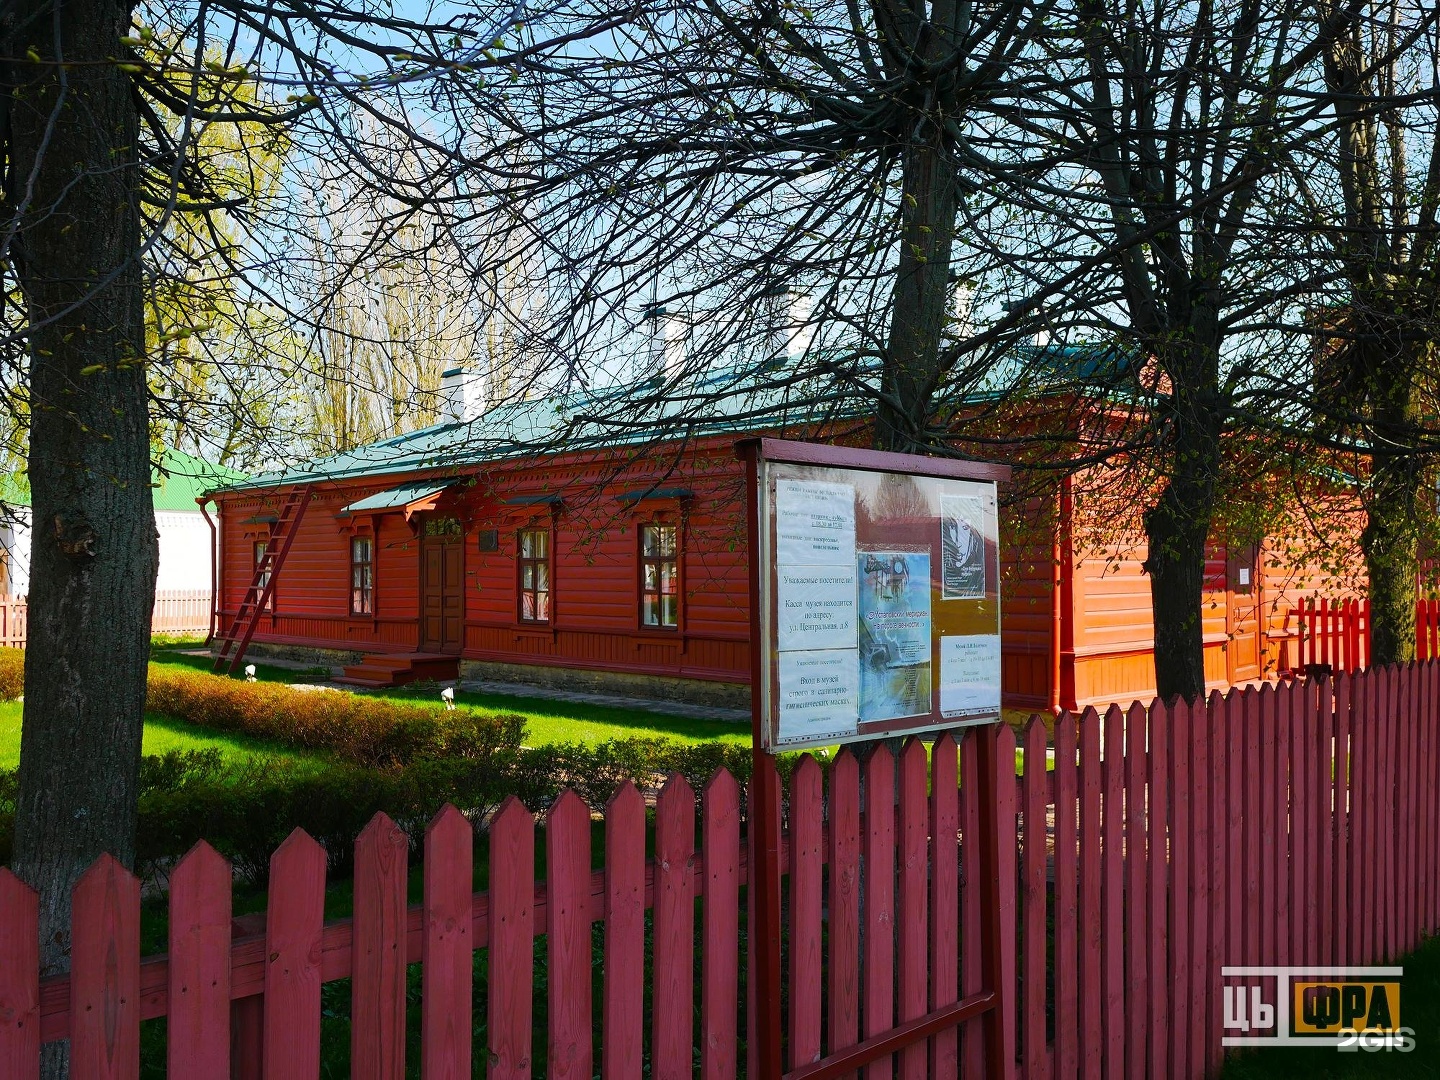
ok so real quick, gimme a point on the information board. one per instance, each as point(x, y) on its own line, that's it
point(878, 594)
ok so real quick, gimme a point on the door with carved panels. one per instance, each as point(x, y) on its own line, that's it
point(442, 585)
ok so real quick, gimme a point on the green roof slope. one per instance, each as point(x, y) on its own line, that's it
point(176, 481)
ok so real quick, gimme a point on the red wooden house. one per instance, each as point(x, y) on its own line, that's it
point(526, 546)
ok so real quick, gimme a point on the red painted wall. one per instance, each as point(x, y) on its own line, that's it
point(595, 620)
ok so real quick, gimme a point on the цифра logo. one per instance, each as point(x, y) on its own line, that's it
point(1349, 1008)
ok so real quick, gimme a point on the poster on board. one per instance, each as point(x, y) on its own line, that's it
point(879, 596)
point(962, 547)
point(894, 634)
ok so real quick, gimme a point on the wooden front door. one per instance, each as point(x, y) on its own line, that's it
point(442, 585)
point(1242, 616)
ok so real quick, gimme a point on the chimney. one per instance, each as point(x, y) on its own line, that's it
point(462, 397)
point(666, 344)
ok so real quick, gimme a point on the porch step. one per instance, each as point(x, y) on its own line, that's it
point(383, 670)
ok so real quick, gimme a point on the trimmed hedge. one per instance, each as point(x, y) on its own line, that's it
point(246, 812)
point(407, 760)
point(360, 730)
point(12, 673)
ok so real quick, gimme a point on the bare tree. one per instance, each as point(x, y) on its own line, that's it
point(1379, 324)
point(101, 156)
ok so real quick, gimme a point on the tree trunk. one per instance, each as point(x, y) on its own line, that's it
point(1176, 528)
point(1177, 525)
point(1391, 537)
point(72, 186)
point(913, 368)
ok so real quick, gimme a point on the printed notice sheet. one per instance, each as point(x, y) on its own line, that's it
point(819, 694)
point(969, 676)
point(814, 523)
point(815, 610)
point(815, 607)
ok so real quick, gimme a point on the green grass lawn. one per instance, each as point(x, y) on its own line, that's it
point(547, 721)
point(162, 733)
point(1419, 1011)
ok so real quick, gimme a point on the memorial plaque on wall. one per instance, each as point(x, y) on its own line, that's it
point(879, 596)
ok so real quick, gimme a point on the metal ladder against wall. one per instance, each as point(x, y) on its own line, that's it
point(235, 639)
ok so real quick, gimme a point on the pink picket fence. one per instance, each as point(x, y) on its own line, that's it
point(181, 611)
point(1337, 632)
point(176, 611)
point(1288, 825)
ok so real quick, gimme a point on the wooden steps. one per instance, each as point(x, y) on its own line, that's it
point(380, 670)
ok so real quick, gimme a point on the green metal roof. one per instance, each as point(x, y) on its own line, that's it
point(396, 497)
point(180, 480)
point(737, 400)
point(176, 481)
point(731, 400)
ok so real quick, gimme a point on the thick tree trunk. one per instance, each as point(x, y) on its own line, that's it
point(1177, 525)
point(72, 186)
point(913, 368)
point(1176, 528)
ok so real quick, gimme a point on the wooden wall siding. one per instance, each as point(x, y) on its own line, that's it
point(1114, 676)
point(1112, 602)
point(1316, 844)
point(691, 657)
point(1025, 677)
point(595, 621)
point(1026, 570)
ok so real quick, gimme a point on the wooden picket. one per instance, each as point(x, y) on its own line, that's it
point(19, 979)
point(1298, 823)
point(447, 949)
point(176, 611)
point(197, 1034)
point(105, 974)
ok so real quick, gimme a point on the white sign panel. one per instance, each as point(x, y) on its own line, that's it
point(815, 607)
point(819, 694)
point(814, 523)
point(969, 675)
